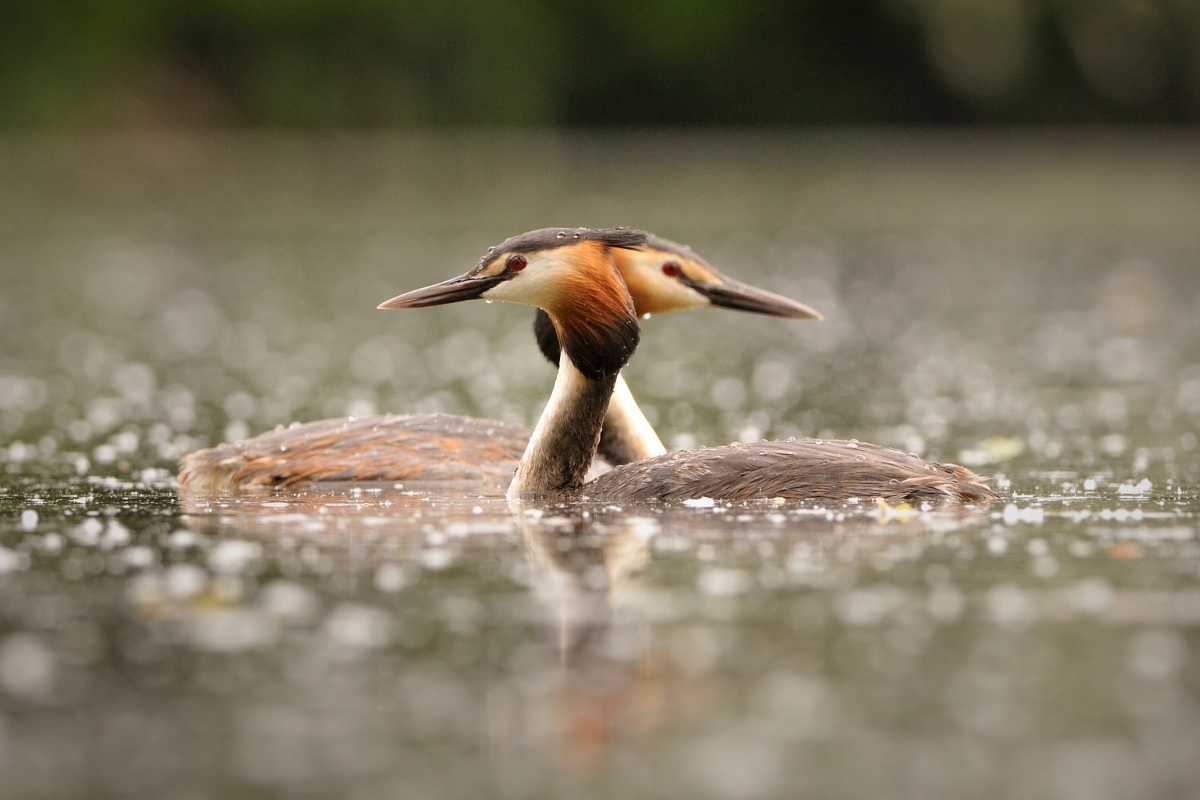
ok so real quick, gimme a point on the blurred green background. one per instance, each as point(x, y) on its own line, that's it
point(362, 63)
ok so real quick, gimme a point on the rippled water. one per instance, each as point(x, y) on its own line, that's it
point(1025, 305)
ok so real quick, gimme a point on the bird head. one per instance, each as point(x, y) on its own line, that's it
point(664, 276)
point(552, 268)
point(567, 272)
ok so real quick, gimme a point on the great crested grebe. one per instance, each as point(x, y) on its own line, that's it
point(661, 276)
point(577, 284)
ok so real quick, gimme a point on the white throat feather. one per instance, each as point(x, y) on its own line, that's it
point(559, 453)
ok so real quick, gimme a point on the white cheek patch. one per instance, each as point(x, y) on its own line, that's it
point(681, 297)
point(669, 294)
point(536, 285)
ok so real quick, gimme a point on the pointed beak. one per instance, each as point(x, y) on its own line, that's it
point(743, 297)
point(454, 290)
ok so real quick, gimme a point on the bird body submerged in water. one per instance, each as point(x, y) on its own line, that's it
point(661, 277)
point(577, 284)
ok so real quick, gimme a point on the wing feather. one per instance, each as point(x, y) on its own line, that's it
point(804, 469)
point(410, 447)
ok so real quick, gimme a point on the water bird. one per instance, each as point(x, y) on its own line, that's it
point(577, 284)
point(661, 276)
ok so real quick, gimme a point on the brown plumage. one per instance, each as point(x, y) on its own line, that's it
point(602, 335)
point(801, 469)
point(409, 447)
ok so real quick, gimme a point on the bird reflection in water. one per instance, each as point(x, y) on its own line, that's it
point(613, 682)
point(608, 679)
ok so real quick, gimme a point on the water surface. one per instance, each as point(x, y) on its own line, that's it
point(1024, 305)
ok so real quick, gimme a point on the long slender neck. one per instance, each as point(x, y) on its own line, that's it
point(596, 327)
point(560, 452)
point(627, 435)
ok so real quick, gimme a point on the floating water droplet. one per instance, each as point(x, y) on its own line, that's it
point(489, 302)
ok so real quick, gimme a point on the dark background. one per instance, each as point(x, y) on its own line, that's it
point(365, 63)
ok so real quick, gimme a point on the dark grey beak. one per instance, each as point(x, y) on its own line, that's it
point(455, 290)
point(743, 297)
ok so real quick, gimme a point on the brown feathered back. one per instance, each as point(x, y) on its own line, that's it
point(799, 470)
point(409, 447)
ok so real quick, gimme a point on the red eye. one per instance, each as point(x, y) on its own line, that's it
point(672, 269)
point(516, 263)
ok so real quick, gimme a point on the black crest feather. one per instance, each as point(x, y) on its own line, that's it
point(550, 238)
point(603, 350)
